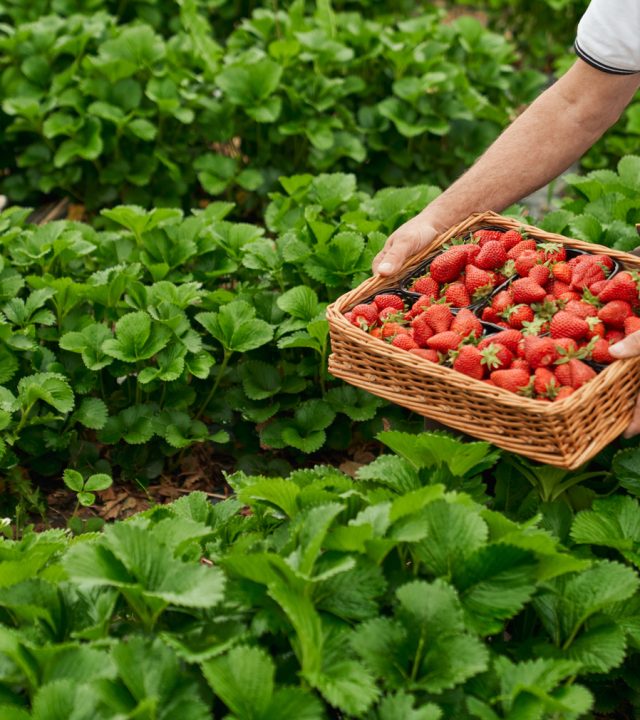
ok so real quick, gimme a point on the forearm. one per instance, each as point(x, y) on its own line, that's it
point(539, 145)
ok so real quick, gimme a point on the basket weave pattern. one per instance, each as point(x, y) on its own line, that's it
point(566, 433)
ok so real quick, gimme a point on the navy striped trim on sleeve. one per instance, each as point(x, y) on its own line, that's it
point(599, 65)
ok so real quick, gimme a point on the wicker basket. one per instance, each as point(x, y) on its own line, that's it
point(566, 433)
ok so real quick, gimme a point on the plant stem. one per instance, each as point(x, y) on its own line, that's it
point(223, 367)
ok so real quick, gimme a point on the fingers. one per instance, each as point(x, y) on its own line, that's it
point(634, 426)
point(629, 347)
point(406, 241)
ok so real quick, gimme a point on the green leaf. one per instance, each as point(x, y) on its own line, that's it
point(73, 480)
point(626, 468)
point(51, 388)
point(236, 327)
point(86, 498)
point(356, 404)
point(260, 380)
point(248, 85)
point(92, 413)
point(86, 144)
point(88, 343)
point(400, 706)
point(98, 482)
point(137, 338)
point(140, 221)
point(300, 302)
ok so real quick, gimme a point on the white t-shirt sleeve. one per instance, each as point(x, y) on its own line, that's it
point(608, 36)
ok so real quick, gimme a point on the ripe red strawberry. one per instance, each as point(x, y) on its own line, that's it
point(517, 315)
point(388, 301)
point(439, 317)
point(511, 238)
point(421, 331)
point(581, 309)
point(558, 288)
point(553, 252)
point(615, 312)
point(525, 261)
point(491, 256)
point(496, 356)
point(540, 274)
point(446, 267)
point(457, 295)
point(391, 329)
point(445, 341)
point(539, 351)
point(376, 332)
point(568, 296)
point(563, 393)
point(390, 314)
point(585, 274)
point(620, 287)
point(566, 347)
point(490, 315)
point(348, 315)
point(509, 338)
point(614, 336)
point(562, 271)
point(404, 342)
point(514, 380)
point(465, 323)
point(600, 352)
point(544, 382)
point(477, 281)
point(520, 363)
point(484, 236)
point(364, 315)
point(574, 373)
point(419, 306)
point(426, 286)
point(518, 249)
point(526, 290)
point(469, 362)
point(631, 325)
point(502, 300)
point(566, 325)
point(596, 327)
point(426, 354)
point(597, 287)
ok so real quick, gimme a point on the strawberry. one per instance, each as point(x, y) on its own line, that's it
point(404, 342)
point(364, 315)
point(502, 300)
point(495, 356)
point(620, 287)
point(426, 286)
point(490, 315)
point(553, 252)
point(376, 332)
point(388, 301)
point(426, 354)
point(586, 274)
point(562, 271)
point(615, 312)
point(477, 281)
point(485, 235)
point(471, 249)
point(527, 291)
point(597, 287)
point(348, 315)
point(511, 238)
point(596, 327)
point(544, 382)
point(558, 288)
point(614, 336)
point(491, 256)
point(600, 352)
point(520, 363)
point(457, 295)
point(574, 373)
point(514, 380)
point(421, 331)
point(539, 351)
point(466, 323)
point(581, 309)
point(566, 347)
point(568, 296)
point(525, 261)
point(439, 317)
point(390, 314)
point(518, 314)
point(419, 306)
point(631, 325)
point(391, 329)
point(518, 249)
point(564, 324)
point(445, 341)
point(563, 393)
point(509, 338)
point(539, 274)
point(447, 266)
point(469, 361)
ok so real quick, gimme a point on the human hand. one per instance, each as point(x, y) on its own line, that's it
point(627, 348)
point(412, 237)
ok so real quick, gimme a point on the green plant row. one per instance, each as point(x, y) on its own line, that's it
point(107, 109)
point(131, 343)
point(396, 596)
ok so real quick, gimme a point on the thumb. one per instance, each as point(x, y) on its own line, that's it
point(393, 258)
point(629, 347)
